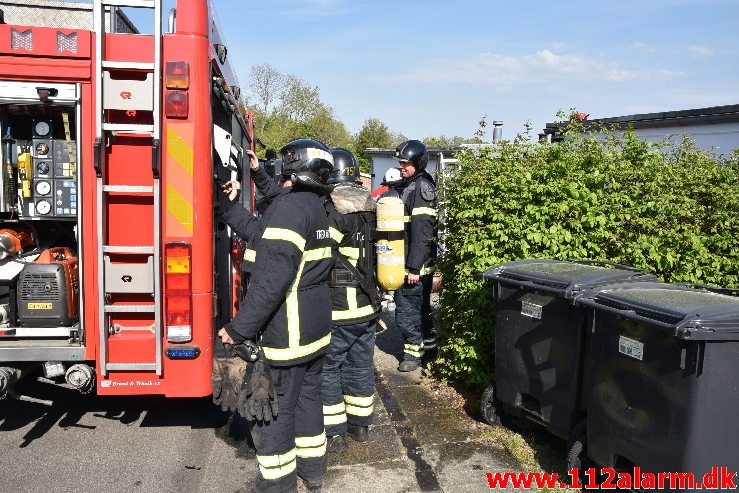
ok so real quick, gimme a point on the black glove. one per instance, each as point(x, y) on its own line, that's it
point(258, 399)
point(247, 350)
point(227, 379)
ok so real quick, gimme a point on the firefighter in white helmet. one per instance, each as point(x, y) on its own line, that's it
point(392, 180)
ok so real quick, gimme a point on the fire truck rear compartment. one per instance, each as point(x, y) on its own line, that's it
point(39, 269)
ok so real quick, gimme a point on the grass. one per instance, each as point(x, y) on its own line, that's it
point(535, 449)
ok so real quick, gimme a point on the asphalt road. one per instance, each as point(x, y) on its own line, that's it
point(90, 443)
point(418, 444)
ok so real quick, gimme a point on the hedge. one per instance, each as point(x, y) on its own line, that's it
point(598, 195)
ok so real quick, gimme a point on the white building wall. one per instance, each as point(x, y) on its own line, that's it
point(381, 163)
point(722, 138)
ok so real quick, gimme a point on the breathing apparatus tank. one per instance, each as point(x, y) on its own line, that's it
point(390, 245)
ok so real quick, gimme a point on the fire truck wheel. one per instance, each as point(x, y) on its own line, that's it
point(577, 451)
point(487, 406)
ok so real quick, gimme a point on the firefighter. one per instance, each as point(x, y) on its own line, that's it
point(413, 299)
point(287, 309)
point(229, 369)
point(393, 181)
point(348, 371)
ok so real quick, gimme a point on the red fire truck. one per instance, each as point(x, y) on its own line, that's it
point(114, 272)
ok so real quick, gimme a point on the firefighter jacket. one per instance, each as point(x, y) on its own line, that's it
point(351, 304)
point(269, 191)
point(419, 199)
point(287, 305)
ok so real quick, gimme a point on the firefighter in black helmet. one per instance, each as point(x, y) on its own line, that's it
point(287, 309)
point(348, 371)
point(413, 299)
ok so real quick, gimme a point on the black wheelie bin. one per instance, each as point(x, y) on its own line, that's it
point(540, 339)
point(663, 373)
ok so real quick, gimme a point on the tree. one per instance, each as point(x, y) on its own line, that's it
point(299, 101)
point(324, 126)
point(266, 83)
point(290, 108)
point(444, 142)
point(374, 133)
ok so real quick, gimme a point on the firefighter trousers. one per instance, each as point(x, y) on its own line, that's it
point(413, 318)
point(349, 377)
point(295, 441)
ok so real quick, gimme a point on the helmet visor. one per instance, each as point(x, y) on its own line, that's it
point(292, 160)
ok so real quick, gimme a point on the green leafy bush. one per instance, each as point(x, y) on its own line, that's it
point(597, 195)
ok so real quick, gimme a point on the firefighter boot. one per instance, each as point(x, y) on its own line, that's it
point(358, 433)
point(336, 444)
point(429, 356)
point(409, 364)
point(313, 484)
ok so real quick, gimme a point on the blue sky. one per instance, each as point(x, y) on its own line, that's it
point(431, 67)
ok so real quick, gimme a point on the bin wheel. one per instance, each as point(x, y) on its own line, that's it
point(487, 406)
point(577, 450)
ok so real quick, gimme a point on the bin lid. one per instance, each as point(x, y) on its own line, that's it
point(567, 278)
point(688, 312)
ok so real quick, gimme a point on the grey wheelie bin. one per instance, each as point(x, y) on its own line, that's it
point(540, 339)
point(663, 378)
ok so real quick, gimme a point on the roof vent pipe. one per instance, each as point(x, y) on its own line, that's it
point(497, 131)
point(172, 21)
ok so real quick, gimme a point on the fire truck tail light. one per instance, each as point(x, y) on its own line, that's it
point(177, 75)
point(178, 292)
point(178, 258)
point(176, 104)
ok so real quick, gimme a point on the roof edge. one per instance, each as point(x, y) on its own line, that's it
point(682, 118)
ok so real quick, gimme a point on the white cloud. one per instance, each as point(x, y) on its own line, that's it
point(505, 71)
point(700, 50)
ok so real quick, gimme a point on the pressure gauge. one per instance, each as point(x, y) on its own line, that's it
point(42, 128)
point(43, 207)
point(43, 187)
point(42, 168)
point(42, 149)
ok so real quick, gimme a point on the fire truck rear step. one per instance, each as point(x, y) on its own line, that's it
point(133, 250)
point(131, 366)
point(128, 189)
point(129, 128)
point(129, 277)
point(41, 350)
point(129, 308)
point(120, 87)
point(128, 65)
